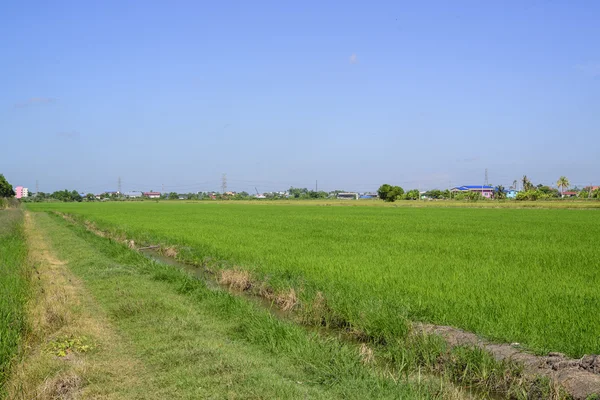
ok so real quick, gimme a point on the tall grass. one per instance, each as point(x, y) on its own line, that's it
point(513, 275)
point(13, 288)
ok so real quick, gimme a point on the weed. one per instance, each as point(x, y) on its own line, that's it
point(65, 345)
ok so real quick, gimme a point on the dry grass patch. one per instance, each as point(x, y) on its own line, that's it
point(287, 300)
point(170, 252)
point(366, 354)
point(236, 279)
point(61, 387)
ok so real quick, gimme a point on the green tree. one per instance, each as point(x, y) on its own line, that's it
point(66, 196)
point(317, 195)
point(434, 194)
point(75, 196)
point(413, 194)
point(383, 191)
point(499, 193)
point(563, 183)
point(473, 196)
point(173, 195)
point(90, 197)
point(298, 192)
point(6, 189)
point(527, 185)
point(241, 196)
point(390, 193)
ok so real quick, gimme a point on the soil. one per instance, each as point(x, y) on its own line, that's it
point(579, 377)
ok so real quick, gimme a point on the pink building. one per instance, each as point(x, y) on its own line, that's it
point(21, 192)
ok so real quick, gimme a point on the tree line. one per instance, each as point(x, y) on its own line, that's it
point(529, 191)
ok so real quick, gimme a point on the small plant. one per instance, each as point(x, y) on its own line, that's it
point(65, 345)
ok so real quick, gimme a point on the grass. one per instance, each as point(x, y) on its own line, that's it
point(512, 275)
point(13, 289)
point(189, 341)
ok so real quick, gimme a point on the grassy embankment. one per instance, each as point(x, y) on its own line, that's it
point(13, 289)
point(509, 203)
point(132, 328)
point(526, 276)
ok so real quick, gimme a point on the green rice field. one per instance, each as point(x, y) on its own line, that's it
point(530, 276)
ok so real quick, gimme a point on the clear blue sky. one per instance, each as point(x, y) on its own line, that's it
point(352, 94)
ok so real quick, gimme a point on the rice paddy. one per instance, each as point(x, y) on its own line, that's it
point(512, 275)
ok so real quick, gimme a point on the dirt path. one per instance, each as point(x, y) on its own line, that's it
point(72, 350)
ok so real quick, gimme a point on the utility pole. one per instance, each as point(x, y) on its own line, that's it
point(119, 186)
point(163, 188)
point(37, 188)
point(316, 186)
point(223, 183)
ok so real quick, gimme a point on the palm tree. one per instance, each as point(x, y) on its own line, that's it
point(514, 185)
point(563, 183)
point(526, 183)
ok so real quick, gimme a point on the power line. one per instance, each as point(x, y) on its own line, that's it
point(223, 183)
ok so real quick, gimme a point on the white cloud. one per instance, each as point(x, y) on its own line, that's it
point(353, 59)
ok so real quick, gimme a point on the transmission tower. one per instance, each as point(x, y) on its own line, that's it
point(119, 185)
point(223, 183)
point(486, 177)
point(37, 187)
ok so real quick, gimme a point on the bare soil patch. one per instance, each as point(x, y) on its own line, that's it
point(579, 377)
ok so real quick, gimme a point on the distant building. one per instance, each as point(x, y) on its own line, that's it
point(133, 195)
point(151, 195)
point(511, 193)
point(368, 196)
point(486, 191)
point(21, 192)
point(570, 194)
point(347, 196)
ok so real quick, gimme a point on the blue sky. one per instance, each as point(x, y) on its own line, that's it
point(278, 94)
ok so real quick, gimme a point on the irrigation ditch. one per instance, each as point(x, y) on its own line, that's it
point(504, 370)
